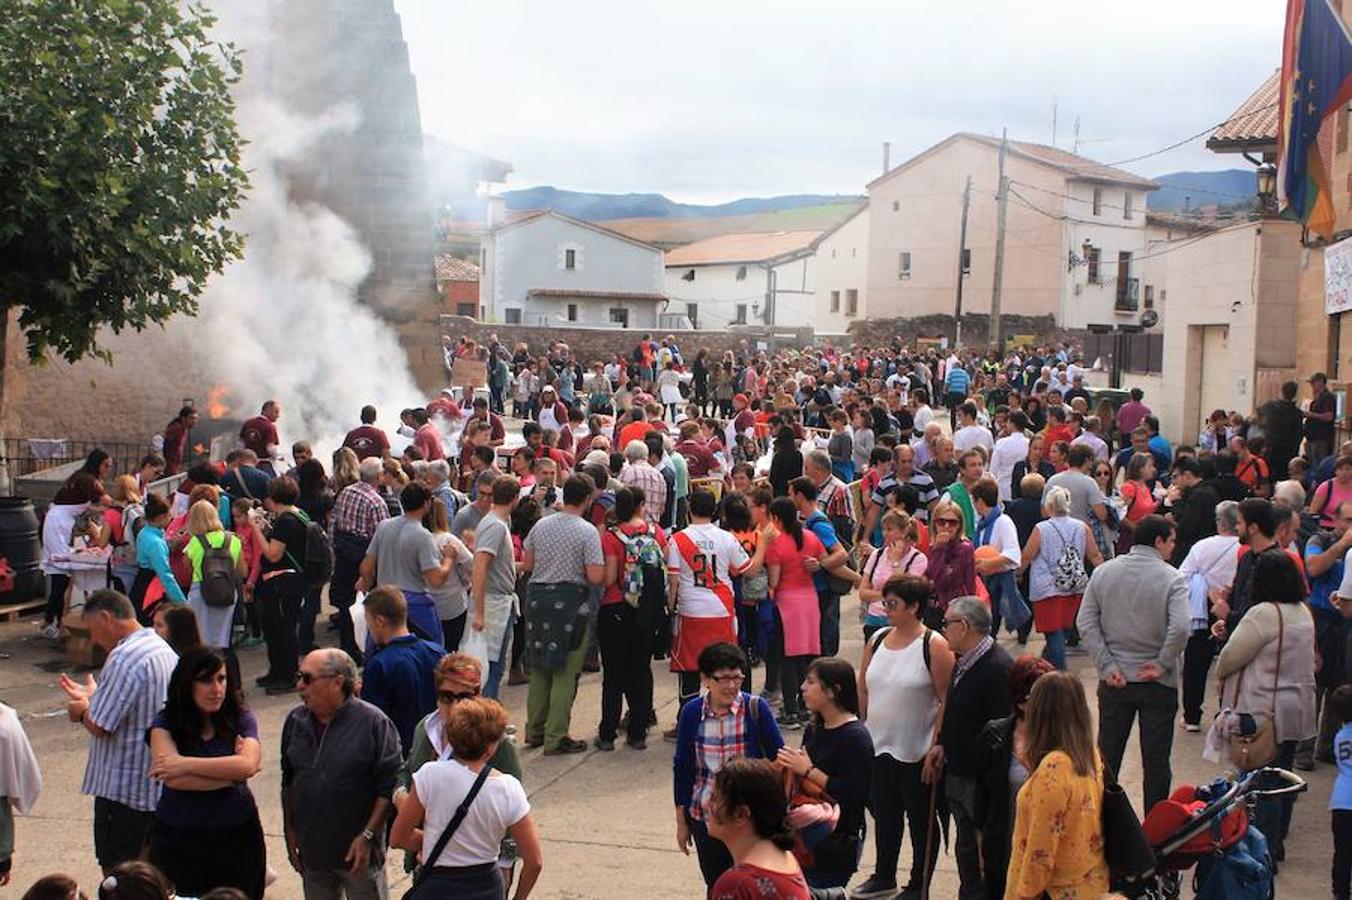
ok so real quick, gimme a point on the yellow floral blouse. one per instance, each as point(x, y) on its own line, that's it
point(1058, 834)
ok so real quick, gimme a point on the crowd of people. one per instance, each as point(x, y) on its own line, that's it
point(712, 512)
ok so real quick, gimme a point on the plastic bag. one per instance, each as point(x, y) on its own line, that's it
point(475, 643)
point(358, 613)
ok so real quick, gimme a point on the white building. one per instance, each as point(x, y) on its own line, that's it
point(744, 279)
point(546, 268)
point(842, 274)
point(1074, 230)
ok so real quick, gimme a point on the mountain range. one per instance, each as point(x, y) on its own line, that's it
point(1179, 190)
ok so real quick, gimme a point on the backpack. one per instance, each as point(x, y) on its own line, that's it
point(220, 577)
point(1068, 574)
point(643, 584)
point(318, 567)
point(133, 520)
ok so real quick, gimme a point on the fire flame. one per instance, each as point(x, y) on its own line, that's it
point(217, 408)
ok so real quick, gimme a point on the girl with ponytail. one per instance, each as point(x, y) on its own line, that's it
point(748, 812)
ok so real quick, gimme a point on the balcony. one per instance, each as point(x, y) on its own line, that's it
point(1128, 295)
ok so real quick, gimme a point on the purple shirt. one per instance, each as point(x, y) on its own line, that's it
point(220, 808)
point(1129, 415)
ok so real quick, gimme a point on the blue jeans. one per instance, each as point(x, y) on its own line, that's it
point(1055, 651)
point(1007, 602)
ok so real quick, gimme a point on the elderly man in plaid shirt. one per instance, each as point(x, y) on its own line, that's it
point(639, 472)
point(356, 513)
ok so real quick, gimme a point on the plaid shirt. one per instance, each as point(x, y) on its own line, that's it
point(654, 487)
point(719, 739)
point(131, 692)
point(358, 510)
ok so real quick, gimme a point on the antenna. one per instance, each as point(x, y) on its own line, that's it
point(1054, 110)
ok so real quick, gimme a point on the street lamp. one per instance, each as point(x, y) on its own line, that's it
point(1267, 188)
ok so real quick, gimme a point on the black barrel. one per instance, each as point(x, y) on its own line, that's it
point(21, 549)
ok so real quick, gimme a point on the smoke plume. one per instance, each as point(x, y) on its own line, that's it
point(284, 322)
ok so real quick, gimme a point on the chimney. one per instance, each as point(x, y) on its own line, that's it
point(497, 210)
point(887, 157)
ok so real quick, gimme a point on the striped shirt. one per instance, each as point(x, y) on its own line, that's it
point(131, 692)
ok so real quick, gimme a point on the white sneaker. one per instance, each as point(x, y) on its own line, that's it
point(1189, 726)
point(51, 631)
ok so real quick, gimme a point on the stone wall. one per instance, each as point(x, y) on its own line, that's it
point(601, 343)
point(975, 328)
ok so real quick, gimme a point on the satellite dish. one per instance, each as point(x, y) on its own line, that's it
point(1150, 318)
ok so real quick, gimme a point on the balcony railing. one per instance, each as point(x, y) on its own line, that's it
point(1128, 295)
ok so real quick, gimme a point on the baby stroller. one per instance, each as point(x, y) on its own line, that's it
point(1209, 827)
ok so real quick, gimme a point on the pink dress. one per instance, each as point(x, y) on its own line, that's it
point(796, 595)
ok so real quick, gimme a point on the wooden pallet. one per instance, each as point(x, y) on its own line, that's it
point(12, 611)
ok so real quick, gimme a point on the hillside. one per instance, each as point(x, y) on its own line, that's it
point(606, 207)
point(1227, 187)
point(668, 233)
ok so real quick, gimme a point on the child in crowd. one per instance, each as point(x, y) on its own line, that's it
point(252, 552)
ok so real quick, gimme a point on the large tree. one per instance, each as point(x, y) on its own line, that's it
point(119, 166)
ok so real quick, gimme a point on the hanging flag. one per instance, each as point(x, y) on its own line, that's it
point(1316, 84)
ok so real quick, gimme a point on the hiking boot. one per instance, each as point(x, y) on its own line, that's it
point(874, 887)
point(517, 676)
point(638, 743)
point(537, 740)
point(789, 722)
point(601, 743)
point(566, 745)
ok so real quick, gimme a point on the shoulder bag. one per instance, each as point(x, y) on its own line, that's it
point(1130, 858)
point(1253, 751)
point(421, 872)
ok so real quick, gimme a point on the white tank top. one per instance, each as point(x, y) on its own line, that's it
point(901, 702)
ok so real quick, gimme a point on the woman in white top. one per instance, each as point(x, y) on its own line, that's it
point(902, 679)
point(897, 556)
point(451, 597)
point(467, 867)
point(1209, 566)
point(669, 389)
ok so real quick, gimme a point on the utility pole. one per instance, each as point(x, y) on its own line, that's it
point(962, 260)
point(997, 333)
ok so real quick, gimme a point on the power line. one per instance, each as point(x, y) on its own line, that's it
point(1102, 205)
point(1189, 139)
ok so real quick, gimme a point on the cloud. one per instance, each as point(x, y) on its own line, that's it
point(713, 100)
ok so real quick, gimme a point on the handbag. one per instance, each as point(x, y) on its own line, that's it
point(1253, 751)
point(421, 872)
point(1126, 849)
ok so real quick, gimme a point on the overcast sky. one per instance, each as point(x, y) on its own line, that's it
point(710, 100)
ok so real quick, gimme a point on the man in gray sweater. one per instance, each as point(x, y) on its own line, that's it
point(1134, 622)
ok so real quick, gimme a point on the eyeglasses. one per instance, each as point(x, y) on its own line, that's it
point(948, 621)
point(451, 697)
point(310, 677)
point(725, 679)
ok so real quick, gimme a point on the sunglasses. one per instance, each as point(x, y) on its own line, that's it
point(953, 522)
point(452, 697)
point(310, 677)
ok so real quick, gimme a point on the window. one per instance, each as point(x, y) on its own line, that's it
point(740, 318)
point(1149, 296)
point(468, 310)
point(619, 316)
point(835, 301)
point(1091, 259)
point(967, 261)
point(1128, 288)
point(851, 302)
point(570, 259)
point(741, 273)
point(896, 206)
point(572, 308)
point(904, 265)
point(689, 275)
point(512, 315)
point(692, 313)
point(1164, 295)
point(854, 252)
point(1126, 205)
point(1098, 201)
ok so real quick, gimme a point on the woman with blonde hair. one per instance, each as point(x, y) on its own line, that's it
point(897, 556)
point(206, 599)
point(346, 469)
point(120, 519)
point(1064, 787)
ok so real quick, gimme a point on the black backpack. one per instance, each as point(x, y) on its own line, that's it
point(318, 563)
point(651, 617)
point(220, 577)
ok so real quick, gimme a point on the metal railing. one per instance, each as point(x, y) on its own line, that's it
point(26, 455)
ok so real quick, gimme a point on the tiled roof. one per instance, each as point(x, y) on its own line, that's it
point(521, 217)
point(1074, 164)
point(1254, 125)
point(451, 268)
point(753, 247)
point(594, 295)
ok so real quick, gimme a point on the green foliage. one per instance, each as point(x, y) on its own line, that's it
point(119, 165)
